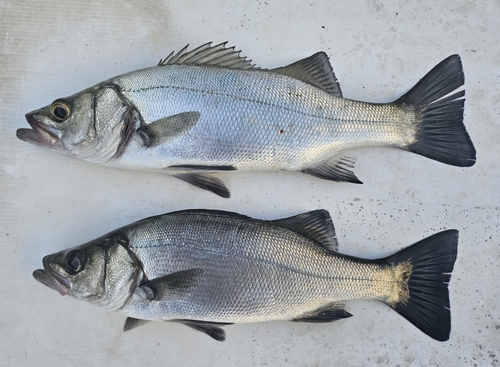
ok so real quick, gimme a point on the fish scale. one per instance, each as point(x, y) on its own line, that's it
point(273, 268)
point(205, 268)
point(209, 110)
point(245, 111)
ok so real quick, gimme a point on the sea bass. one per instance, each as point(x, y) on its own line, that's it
point(207, 268)
point(210, 110)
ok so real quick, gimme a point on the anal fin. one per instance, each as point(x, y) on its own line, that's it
point(327, 314)
point(337, 169)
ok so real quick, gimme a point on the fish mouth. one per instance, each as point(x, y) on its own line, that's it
point(51, 279)
point(40, 134)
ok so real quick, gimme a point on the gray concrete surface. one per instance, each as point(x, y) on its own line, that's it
point(378, 50)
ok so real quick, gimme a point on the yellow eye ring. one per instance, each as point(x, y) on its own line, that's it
point(60, 111)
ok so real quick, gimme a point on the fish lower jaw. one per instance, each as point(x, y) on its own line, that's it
point(50, 280)
point(45, 135)
point(61, 284)
point(36, 138)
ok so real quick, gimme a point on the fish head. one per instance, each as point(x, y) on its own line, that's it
point(91, 125)
point(102, 272)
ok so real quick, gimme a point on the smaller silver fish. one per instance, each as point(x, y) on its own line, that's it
point(206, 268)
point(209, 110)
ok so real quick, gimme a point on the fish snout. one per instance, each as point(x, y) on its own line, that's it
point(40, 134)
point(50, 277)
point(30, 115)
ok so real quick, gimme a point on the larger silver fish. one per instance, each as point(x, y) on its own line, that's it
point(209, 268)
point(210, 110)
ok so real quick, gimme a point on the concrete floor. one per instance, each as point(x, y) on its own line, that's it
point(378, 50)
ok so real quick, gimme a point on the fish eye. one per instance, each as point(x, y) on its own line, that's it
point(75, 262)
point(60, 110)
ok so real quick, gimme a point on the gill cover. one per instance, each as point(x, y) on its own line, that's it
point(94, 124)
point(114, 121)
point(102, 272)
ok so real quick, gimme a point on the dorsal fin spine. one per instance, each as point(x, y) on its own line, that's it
point(209, 55)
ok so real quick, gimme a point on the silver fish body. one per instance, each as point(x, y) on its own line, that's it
point(209, 110)
point(252, 120)
point(209, 268)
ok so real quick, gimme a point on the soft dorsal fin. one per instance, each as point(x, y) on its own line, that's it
point(315, 70)
point(209, 55)
point(316, 225)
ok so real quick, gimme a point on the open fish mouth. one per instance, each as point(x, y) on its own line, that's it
point(51, 279)
point(40, 134)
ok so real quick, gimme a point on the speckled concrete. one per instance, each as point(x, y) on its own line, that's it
point(378, 50)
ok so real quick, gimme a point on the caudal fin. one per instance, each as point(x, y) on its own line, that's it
point(428, 303)
point(441, 133)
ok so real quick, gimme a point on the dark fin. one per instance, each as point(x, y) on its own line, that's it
point(206, 182)
point(316, 225)
point(441, 133)
point(131, 323)
point(209, 55)
point(212, 329)
point(174, 286)
point(187, 167)
point(428, 304)
point(328, 314)
point(160, 130)
point(338, 169)
point(315, 70)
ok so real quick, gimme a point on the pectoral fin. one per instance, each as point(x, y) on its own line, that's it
point(212, 329)
point(174, 286)
point(205, 181)
point(167, 128)
point(328, 314)
point(337, 169)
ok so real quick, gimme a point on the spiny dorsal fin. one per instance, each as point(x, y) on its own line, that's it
point(209, 55)
point(315, 70)
point(316, 225)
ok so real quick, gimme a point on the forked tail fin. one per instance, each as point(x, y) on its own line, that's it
point(441, 134)
point(427, 305)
